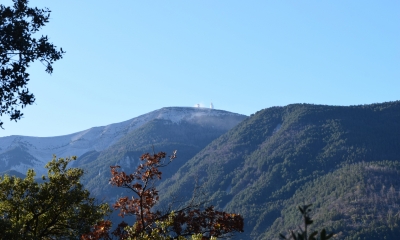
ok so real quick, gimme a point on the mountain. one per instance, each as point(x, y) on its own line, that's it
point(187, 130)
point(195, 127)
point(343, 160)
point(356, 201)
point(261, 167)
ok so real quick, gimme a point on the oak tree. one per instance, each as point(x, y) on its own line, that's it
point(19, 47)
point(57, 207)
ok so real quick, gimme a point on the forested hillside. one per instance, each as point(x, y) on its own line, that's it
point(261, 167)
point(359, 200)
point(343, 160)
point(187, 134)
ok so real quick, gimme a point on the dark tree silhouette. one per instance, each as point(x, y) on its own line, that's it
point(19, 47)
point(303, 234)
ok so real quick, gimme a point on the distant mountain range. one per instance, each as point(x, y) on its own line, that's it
point(343, 160)
point(192, 125)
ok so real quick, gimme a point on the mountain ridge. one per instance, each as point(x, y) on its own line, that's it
point(265, 165)
point(96, 138)
point(261, 162)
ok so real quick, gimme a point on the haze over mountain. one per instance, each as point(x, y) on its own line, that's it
point(20, 153)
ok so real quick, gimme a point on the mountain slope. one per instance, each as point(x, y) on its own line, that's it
point(21, 152)
point(188, 136)
point(359, 200)
point(259, 164)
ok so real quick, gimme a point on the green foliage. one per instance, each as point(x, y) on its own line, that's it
point(160, 232)
point(200, 237)
point(18, 49)
point(56, 208)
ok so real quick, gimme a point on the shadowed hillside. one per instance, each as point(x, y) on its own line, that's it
point(258, 165)
point(360, 200)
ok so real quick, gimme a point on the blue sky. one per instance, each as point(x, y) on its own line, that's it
point(126, 58)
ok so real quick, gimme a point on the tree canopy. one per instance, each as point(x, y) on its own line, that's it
point(58, 207)
point(192, 220)
point(19, 47)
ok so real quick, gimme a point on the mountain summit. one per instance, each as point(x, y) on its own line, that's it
point(20, 153)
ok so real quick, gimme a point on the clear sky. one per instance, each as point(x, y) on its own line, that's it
point(126, 58)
